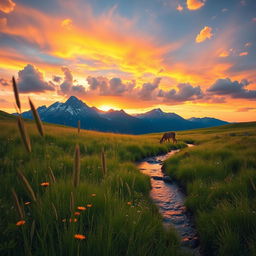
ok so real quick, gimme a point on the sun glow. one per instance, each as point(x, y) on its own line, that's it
point(106, 107)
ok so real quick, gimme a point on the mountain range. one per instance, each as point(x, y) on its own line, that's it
point(117, 121)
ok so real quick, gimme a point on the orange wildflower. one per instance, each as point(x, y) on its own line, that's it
point(129, 203)
point(93, 195)
point(20, 222)
point(45, 184)
point(64, 220)
point(79, 236)
point(77, 213)
point(89, 205)
point(81, 208)
point(27, 203)
point(75, 219)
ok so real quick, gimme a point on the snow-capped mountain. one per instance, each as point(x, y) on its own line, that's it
point(91, 118)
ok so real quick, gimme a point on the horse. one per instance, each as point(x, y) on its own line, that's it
point(168, 136)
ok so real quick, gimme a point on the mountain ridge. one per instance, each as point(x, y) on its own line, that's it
point(118, 121)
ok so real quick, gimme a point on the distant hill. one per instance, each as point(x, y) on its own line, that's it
point(118, 121)
point(4, 115)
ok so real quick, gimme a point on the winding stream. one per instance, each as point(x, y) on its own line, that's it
point(169, 198)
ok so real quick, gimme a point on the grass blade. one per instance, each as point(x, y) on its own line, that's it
point(76, 170)
point(23, 134)
point(17, 205)
point(16, 93)
point(78, 126)
point(27, 186)
point(37, 118)
point(103, 162)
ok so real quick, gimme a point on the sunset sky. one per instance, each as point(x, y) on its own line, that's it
point(192, 57)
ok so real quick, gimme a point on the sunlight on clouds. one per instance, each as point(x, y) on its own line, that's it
point(205, 33)
point(194, 4)
point(243, 53)
point(7, 6)
point(179, 8)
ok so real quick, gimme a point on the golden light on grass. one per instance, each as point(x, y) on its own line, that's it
point(16, 93)
point(79, 236)
point(76, 170)
point(20, 222)
point(23, 134)
point(28, 187)
point(37, 118)
point(45, 184)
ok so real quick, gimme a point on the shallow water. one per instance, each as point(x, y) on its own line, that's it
point(169, 198)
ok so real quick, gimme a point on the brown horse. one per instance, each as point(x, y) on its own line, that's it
point(167, 136)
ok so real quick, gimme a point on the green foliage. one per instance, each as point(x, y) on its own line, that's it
point(219, 176)
point(121, 219)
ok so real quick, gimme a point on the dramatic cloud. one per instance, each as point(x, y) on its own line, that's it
point(205, 33)
point(233, 89)
point(147, 90)
point(7, 6)
point(3, 82)
point(194, 4)
point(186, 92)
point(67, 87)
point(112, 87)
point(31, 79)
point(56, 79)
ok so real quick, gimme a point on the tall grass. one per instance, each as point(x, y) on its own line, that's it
point(219, 176)
point(105, 187)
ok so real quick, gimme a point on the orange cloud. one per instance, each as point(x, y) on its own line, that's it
point(243, 53)
point(194, 4)
point(224, 54)
point(179, 8)
point(3, 23)
point(67, 23)
point(205, 33)
point(7, 6)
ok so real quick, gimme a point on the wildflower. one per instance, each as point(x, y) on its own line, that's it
point(45, 184)
point(81, 208)
point(20, 222)
point(129, 203)
point(79, 236)
point(73, 220)
point(77, 213)
point(89, 205)
point(27, 203)
point(64, 220)
point(93, 194)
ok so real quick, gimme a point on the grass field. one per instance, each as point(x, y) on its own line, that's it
point(218, 175)
point(119, 218)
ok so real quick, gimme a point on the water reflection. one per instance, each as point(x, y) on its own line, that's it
point(169, 199)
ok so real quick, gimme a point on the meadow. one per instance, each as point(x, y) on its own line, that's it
point(219, 178)
point(108, 210)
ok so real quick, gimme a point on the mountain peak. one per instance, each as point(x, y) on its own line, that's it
point(75, 102)
point(72, 99)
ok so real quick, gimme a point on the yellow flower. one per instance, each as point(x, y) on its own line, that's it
point(20, 222)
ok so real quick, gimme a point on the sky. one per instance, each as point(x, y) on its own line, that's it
point(195, 58)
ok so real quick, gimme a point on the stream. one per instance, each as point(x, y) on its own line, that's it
point(170, 199)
